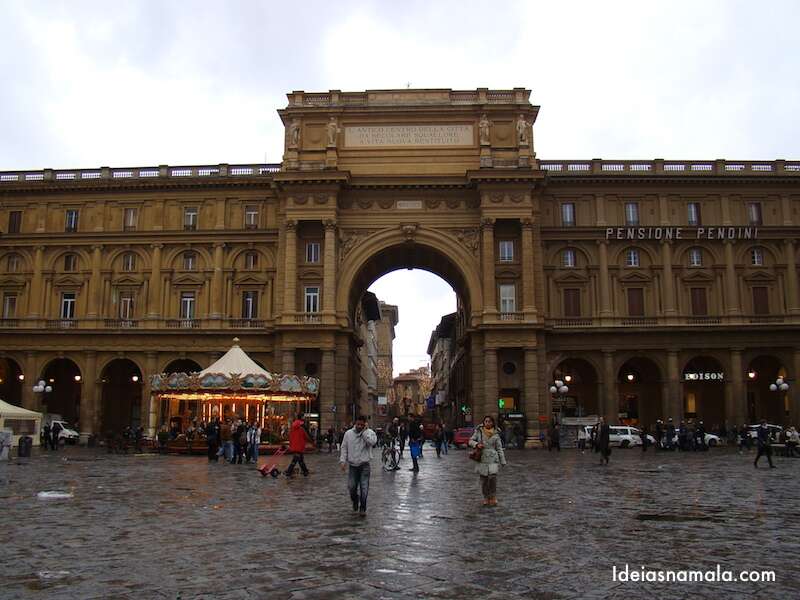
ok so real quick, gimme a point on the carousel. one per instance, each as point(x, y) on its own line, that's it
point(232, 388)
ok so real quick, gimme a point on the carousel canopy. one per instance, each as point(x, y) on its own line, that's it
point(235, 371)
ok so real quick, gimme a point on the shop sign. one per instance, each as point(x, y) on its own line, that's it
point(311, 415)
point(677, 233)
point(515, 416)
point(704, 376)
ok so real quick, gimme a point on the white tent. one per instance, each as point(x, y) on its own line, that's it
point(236, 361)
point(20, 421)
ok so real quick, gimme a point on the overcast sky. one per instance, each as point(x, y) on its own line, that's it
point(89, 84)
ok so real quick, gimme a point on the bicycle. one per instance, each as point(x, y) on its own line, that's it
point(390, 455)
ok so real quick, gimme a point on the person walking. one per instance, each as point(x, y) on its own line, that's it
point(744, 439)
point(764, 445)
point(792, 442)
point(669, 436)
point(298, 438)
point(55, 429)
point(659, 434)
point(582, 439)
point(44, 436)
point(438, 440)
point(354, 457)
point(329, 437)
point(401, 437)
point(643, 437)
point(416, 438)
point(253, 442)
point(486, 439)
point(212, 438)
point(603, 444)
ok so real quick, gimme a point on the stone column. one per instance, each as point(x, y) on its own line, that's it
point(95, 284)
point(35, 300)
point(89, 400)
point(726, 210)
point(154, 301)
point(738, 401)
point(329, 281)
point(288, 361)
point(327, 390)
point(669, 283)
point(605, 295)
point(731, 280)
point(489, 288)
point(490, 382)
point(528, 297)
point(673, 404)
point(611, 403)
point(794, 389)
point(290, 270)
point(149, 410)
point(532, 407)
point(29, 400)
point(791, 277)
point(216, 281)
point(476, 377)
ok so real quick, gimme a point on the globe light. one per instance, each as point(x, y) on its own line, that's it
point(567, 378)
point(48, 389)
point(784, 387)
point(751, 374)
point(773, 387)
point(779, 381)
point(21, 377)
point(630, 376)
point(77, 377)
point(135, 378)
point(37, 389)
point(553, 389)
point(559, 383)
point(41, 383)
point(563, 389)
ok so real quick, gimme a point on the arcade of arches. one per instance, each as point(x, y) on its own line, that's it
point(602, 272)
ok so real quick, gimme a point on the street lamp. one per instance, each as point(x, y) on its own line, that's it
point(779, 385)
point(558, 389)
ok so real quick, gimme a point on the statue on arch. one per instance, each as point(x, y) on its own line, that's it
point(333, 131)
point(293, 133)
point(522, 131)
point(484, 126)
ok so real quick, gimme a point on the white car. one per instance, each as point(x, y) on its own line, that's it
point(774, 431)
point(67, 433)
point(711, 439)
point(623, 436)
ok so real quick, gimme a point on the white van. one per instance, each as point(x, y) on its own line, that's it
point(622, 436)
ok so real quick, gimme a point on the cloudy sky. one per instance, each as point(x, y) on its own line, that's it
point(88, 84)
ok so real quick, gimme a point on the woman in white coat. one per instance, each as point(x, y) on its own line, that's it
point(487, 439)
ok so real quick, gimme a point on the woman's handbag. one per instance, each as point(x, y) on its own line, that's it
point(476, 453)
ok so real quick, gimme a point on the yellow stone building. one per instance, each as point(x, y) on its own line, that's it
point(658, 287)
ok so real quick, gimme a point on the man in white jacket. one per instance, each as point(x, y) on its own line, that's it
point(356, 453)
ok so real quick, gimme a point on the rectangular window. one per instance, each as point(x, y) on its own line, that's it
point(632, 257)
point(631, 213)
point(760, 301)
point(188, 261)
point(312, 299)
point(129, 262)
point(754, 213)
point(508, 298)
point(250, 305)
point(71, 220)
point(695, 257)
point(251, 261)
point(12, 264)
point(699, 304)
point(126, 306)
point(9, 306)
point(693, 214)
point(572, 302)
point(68, 305)
point(15, 221)
point(70, 263)
point(568, 214)
point(506, 251)
point(635, 302)
point(190, 218)
point(568, 258)
point(250, 217)
point(312, 252)
point(187, 305)
point(130, 219)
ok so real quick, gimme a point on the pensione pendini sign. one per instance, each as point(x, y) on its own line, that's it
point(681, 233)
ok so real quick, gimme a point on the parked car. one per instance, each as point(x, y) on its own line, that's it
point(622, 436)
point(711, 439)
point(774, 431)
point(461, 436)
point(67, 433)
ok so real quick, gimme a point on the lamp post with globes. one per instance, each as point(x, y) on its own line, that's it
point(558, 389)
point(780, 385)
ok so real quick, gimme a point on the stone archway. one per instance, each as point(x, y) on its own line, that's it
point(121, 403)
point(640, 385)
point(66, 381)
point(182, 365)
point(762, 401)
point(11, 381)
point(583, 397)
point(702, 380)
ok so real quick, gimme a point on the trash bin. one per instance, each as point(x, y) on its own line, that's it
point(24, 448)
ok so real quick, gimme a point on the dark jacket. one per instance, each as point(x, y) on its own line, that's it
point(763, 437)
point(415, 433)
point(603, 441)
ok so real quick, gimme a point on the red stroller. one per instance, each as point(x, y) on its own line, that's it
point(271, 467)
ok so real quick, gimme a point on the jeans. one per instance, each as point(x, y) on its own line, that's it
point(297, 459)
point(253, 452)
point(358, 477)
point(227, 450)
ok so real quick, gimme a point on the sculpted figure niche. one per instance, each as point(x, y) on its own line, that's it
point(522, 131)
point(333, 131)
point(293, 134)
point(484, 126)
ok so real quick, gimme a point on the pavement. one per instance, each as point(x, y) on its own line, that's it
point(148, 526)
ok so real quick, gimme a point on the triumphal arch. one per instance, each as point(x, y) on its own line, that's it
point(415, 179)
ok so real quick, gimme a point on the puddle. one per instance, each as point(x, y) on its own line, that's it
point(677, 518)
point(52, 575)
point(386, 571)
point(54, 495)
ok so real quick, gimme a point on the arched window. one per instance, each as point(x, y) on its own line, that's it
point(632, 257)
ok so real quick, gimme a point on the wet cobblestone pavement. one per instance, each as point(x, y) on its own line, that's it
point(178, 527)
